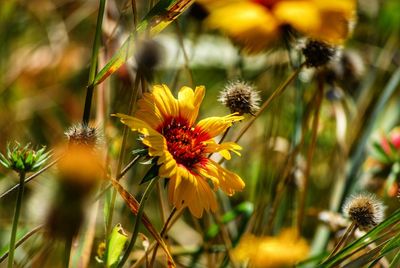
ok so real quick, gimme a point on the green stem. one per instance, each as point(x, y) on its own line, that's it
point(121, 156)
point(395, 261)
point(68, 245)
point(93, 63)
point(278, 91)
point(16, 218)
point(138, 219)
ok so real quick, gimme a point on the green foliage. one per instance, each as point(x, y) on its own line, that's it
point(24, 158)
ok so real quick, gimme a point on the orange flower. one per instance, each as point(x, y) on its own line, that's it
point(284, 250)
point(255, 24)
point(169, 131)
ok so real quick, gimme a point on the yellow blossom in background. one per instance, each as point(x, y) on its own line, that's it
point(283, 250)
point(169, 131)
point(256, 24)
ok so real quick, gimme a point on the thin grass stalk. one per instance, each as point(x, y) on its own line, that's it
point(348, 233)
point(167, 227)
point(30, 177)
point(93, 63)
point(16, 219)
point(396, 260)
point(310, 154)
point(185, 55)
point(359, 153)
point(22, 240)
point(67, 251)
point(138, 219)
point(278, 91)
point(121, 156)
point(162, 233)
point(285, 178)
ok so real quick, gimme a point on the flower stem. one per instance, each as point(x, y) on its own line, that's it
point(136, 226)
point(16, 218)
point(278, 91)
point(93, 63)
point(349, 232)
point(162, 233)
point(132, 100)
point(310, 154)
point(68, 245)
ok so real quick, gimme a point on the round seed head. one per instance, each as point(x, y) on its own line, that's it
point(240, 97)
point(318, 53)
point(365, 210)
point(82, 134)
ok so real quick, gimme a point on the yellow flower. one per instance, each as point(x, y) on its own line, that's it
point(256, 24)
point(286, 249)
point(169, 131)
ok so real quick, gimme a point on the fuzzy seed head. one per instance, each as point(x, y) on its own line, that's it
point(240, 97)
point(82, 134)
point(365, 210)
point(318, 53)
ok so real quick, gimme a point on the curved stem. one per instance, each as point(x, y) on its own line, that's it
point(30, 177)
point(278, 91)
point(132, 100)
point(349, 232)
point(162, 233)
point(22, 240)
point(138, 219)
point(310, 154)
point(16, 218)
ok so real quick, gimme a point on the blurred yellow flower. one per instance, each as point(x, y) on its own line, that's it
point(256, 24)
point(169, 131)
point(286, 249)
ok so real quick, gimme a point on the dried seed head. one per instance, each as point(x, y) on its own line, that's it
point(240, 97)
point(365, 210)
point(82, 134)
point(318, 53)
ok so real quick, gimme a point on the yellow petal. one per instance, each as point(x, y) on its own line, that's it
point(165, 102)
point(249, 24)
point(302, 15)
point(337, 20)
point(138, 125)
point(189, 103)
point(223, 148)
point(148, 111)
point(197, 197)
point(214, 126)
point(228, 181)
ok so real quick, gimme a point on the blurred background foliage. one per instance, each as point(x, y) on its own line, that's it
point(45, 52)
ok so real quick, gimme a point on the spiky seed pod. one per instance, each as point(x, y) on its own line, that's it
point(318, 53)
point(82, 134)
point(240, 97)
point(364, 210)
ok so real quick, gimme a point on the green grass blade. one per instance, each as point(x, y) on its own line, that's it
point(158, 18)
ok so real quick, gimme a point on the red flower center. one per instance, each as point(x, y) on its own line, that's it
point(184, 142)
point(266, 3)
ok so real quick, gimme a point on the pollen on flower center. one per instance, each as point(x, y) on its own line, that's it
point(184, 142)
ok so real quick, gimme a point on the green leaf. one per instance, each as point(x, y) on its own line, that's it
point(141, 152)
point(151, 174)
point(158, 18)
point(116, 245)
point(246, 209)
point(379, 154)
point(380, 231)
